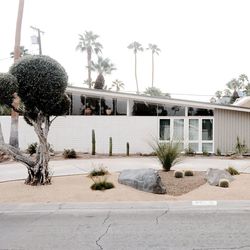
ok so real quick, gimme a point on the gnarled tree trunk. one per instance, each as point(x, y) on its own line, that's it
point(38, 169)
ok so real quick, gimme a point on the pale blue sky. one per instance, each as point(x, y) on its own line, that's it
point(204, 43)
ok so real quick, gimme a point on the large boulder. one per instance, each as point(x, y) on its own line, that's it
point(147, 180)
point(213, 176)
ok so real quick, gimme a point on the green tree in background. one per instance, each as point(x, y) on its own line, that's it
point(135, 46)
point(154, 50)
point(88, 42)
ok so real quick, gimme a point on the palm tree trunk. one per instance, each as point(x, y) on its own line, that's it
point(14, 115)
point(153, 68)
point(89, 66)
point(136, 80)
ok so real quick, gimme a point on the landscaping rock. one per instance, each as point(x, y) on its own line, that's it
point(213, 176)
point(147, 180)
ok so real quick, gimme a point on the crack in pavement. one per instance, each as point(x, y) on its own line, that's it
point(106, 218)
point(162, 214)
point(97, 241)
point(223, 248)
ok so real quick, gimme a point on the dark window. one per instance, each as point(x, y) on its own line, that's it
point(200, 112)
point(92, 106)
point(77, 104)
point(121, 107)
point(166, 110)
point(144, 109)
point(207, 129)
point(164, 129)
point(108, 106)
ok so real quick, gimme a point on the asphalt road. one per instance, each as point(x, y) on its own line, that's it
point(124, 226)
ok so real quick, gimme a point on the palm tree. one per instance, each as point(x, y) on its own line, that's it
point(136, 47)
point(155, 50)
point(23, 52)
point(118, 85)
point(88, 43)
point(103, 66)
point(17, 53)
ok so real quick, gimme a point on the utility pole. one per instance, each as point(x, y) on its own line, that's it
point(17, 53)
point(39, 32)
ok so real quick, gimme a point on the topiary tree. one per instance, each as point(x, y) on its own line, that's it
point(40, 82)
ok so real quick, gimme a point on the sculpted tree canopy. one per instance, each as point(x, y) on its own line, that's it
point(40, 82)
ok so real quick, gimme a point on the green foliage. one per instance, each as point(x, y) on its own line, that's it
point(224, 183)
point(101, 183)
point(178, 174)
point(189, 151)
point(205, 153)
point(153, 91)
point(188, 173)
point(32, 148)
point(100, 171)
point(232, 171)
point(240, 148)
point(167, 153)
point(5, 110)
point(110, 146)
point(69, 154)
point(93, 142)
point(42, 82)
point(218, 152)
point(127, 149)
point(8, 86)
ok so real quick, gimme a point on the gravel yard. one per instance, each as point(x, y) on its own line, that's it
point(180, 186)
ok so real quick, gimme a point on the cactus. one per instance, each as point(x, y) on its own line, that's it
point(110, 146)
point(188, 173)
point(127, 145)
point(178, 174)
point(93, 142)
point(224, 183)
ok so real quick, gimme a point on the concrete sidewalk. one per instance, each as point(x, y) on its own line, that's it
point(17, 171)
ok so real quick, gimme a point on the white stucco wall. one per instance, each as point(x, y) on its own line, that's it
point(75, 132)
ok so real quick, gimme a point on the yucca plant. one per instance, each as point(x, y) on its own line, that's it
point(168, 153)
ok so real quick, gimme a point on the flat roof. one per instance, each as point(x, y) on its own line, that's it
point(154, 99)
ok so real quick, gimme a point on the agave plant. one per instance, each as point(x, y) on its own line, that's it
point(168, 153)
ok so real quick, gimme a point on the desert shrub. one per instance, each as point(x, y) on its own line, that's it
point(100, 171)
point(205, 153)
point(32, 148)
point(189, 151)
point(240, 148)
point(224, 183)
point(218, 152)
point(232, 171)
point(168, 153)
point(188, 173)
point(178, 174)
point(69, 154)
point(101, 183)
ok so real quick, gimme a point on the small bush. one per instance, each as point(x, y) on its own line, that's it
point(188, 173)
point(32, 148)
point(189, 151)
point(101, 183)
point(168, 153)
point(218, 152)
point(100, 171)
point(178, 174)
point(224, 183)
point(240, 148)
point(205, 153)
point(69, 154)
point(232, 171)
